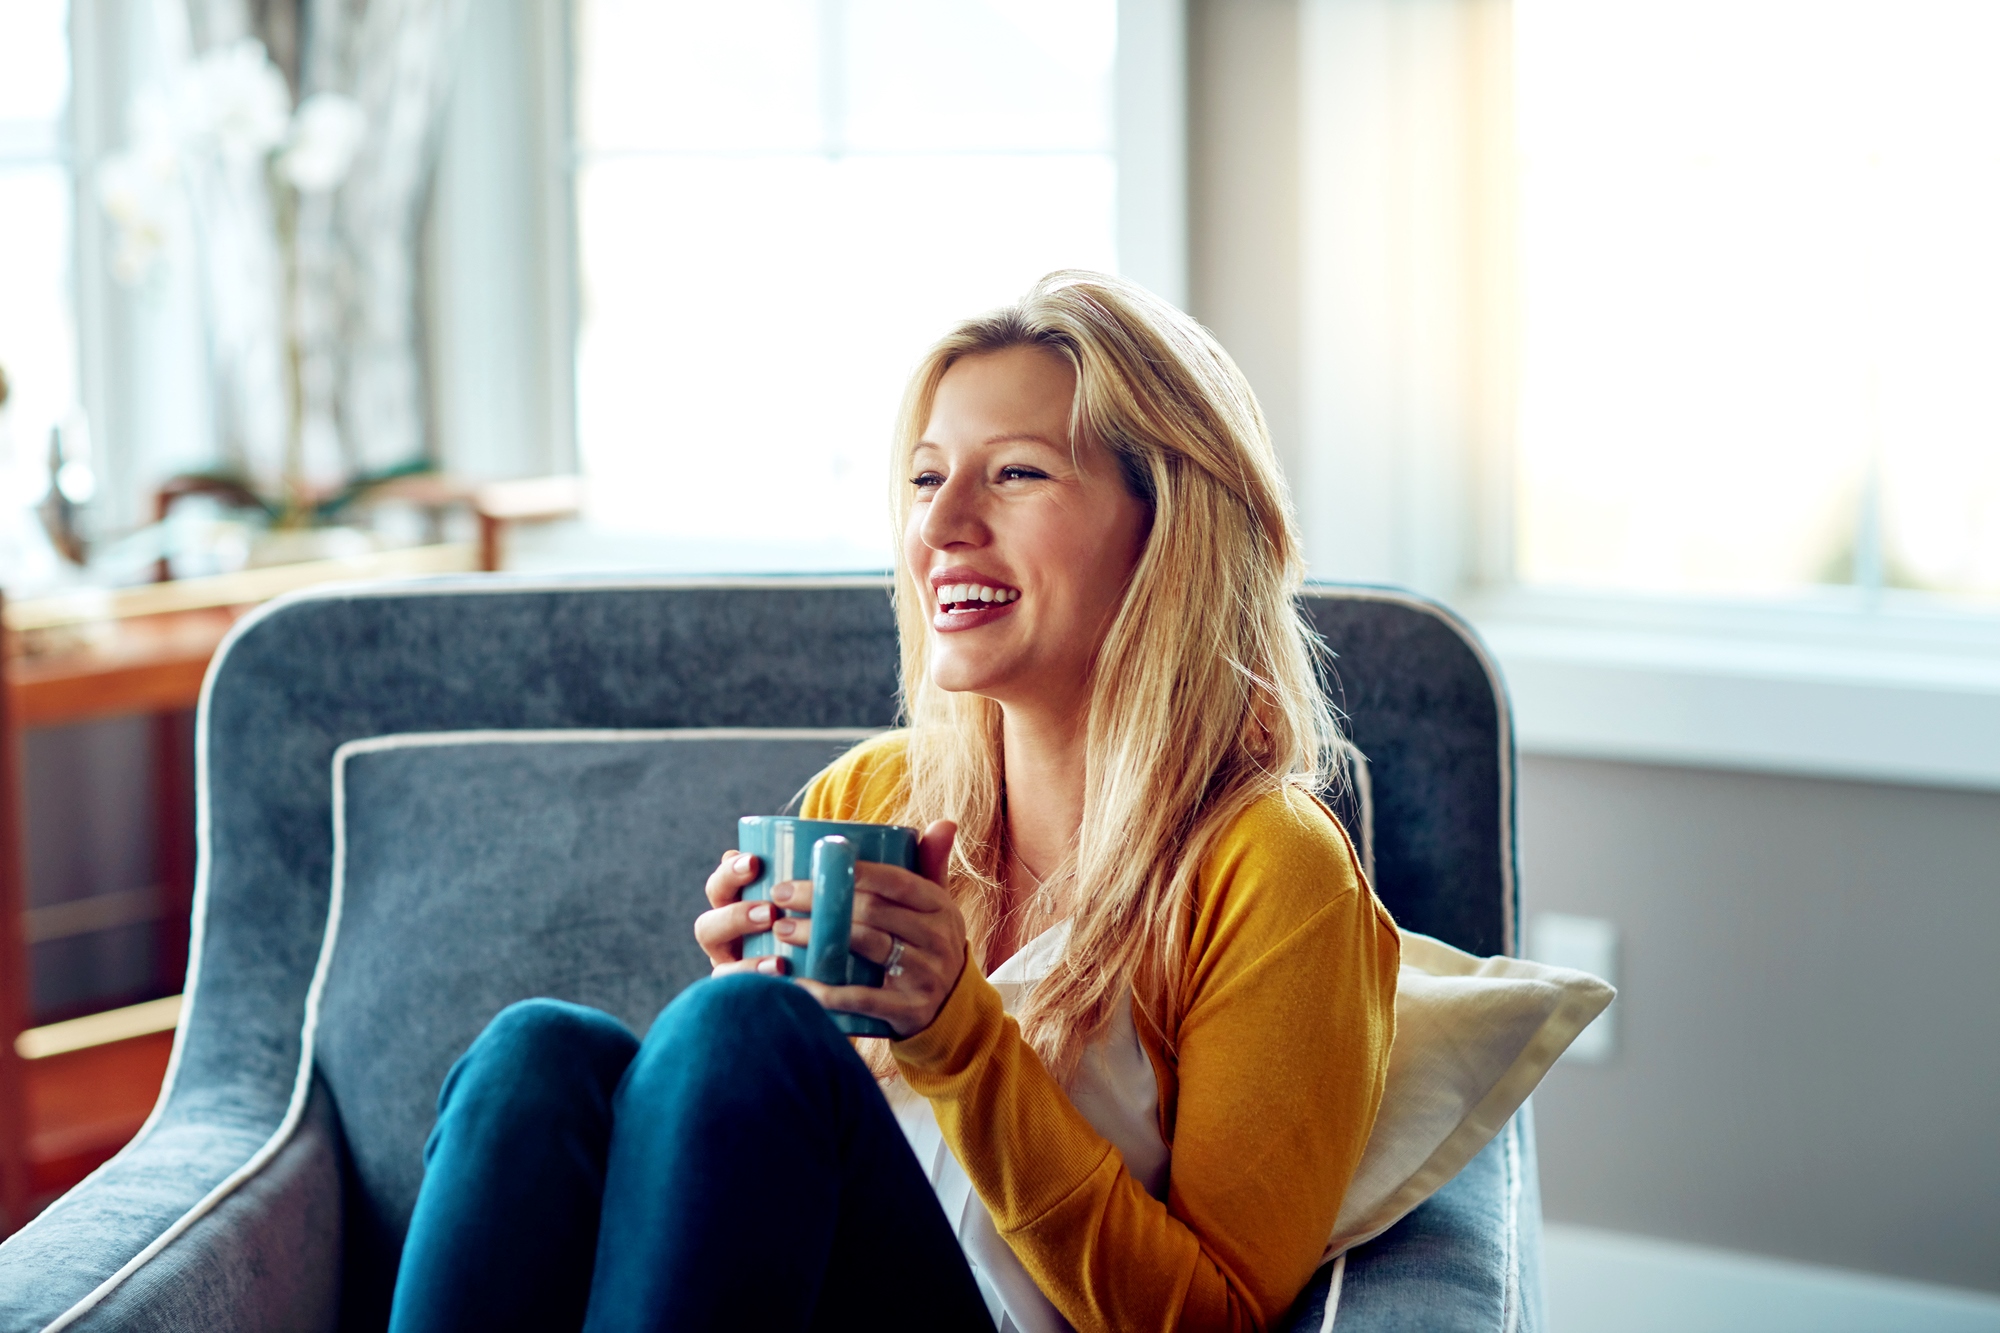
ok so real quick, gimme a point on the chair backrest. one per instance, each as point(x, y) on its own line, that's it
point(1424, 702)
point(475, 869)
point(516, 862)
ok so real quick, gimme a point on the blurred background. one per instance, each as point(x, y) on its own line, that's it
point(1660, 339)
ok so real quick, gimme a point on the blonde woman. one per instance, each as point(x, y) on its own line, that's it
point(1143, 995)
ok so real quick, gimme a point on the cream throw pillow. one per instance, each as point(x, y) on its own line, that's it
point(1473, 1038)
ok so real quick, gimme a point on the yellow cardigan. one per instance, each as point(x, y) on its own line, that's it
point(1283, 1047)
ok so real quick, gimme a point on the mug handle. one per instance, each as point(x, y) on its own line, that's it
point(832, 910)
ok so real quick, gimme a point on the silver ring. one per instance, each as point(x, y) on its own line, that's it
point(893, 964)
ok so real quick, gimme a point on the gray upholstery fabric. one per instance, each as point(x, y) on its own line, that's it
point(314, 672)
point(1468, 1259)
point(484, 873)
point(267, 1258)
point(1421, 703)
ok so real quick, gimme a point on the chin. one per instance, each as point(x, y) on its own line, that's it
point(954, 675)
point(957, 682)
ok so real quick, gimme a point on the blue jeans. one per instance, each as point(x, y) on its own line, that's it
point(738, 1169)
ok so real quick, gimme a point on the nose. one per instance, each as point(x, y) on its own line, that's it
point(954, 517)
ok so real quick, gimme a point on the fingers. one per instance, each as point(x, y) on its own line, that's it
point(878, 922)
point(908, 1006)
point(934, 849)
point(720, 930)
point(875, 919)
point(772, 967)
point(900, 886)
point(890, 904)
point(735, 873)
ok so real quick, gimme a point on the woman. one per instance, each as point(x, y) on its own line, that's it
point(1114, 732)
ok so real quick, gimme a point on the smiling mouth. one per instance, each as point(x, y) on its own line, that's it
point(964, 598)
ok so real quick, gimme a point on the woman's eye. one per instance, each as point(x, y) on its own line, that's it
point(1014, 472)
point(927, 481)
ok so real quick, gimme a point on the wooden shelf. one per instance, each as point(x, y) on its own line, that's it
point(146, 664)
point(88, 656)
point(84, 1105)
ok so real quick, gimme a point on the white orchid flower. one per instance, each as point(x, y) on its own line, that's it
point(326, 134)
point(236, 99)
point(138, 202)
point(138, 189)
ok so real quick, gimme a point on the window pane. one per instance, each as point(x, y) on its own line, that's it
point(752, 305)
point(37, 332)
point(37, 337)
point(697, 76)
point(34, 60)
point(1009, 74)
point(1760, 294)
point(750, 323)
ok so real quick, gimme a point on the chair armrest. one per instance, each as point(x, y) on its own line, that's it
point(1468, 1260)
point(267, 1255)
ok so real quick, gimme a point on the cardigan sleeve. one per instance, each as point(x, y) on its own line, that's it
point(1277, 1069)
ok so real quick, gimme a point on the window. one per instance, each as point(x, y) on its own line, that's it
point(1760, 296)
point(780, 205)
point(37, 322)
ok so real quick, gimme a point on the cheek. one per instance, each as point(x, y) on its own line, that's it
point(913, 542)
point(1114, 545)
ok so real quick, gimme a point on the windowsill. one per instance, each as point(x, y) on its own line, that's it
point(1905, 692)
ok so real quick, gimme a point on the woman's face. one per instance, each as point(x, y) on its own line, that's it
point(1021, 547)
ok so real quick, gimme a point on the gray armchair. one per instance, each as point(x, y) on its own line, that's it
point(422, 801)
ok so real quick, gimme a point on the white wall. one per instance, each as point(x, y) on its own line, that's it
point(1809, 1016)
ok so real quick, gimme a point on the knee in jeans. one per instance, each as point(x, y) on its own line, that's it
point(729, 1024)
point(547, 1043)
point(742, 1004)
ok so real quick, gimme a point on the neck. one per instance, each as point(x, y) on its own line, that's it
point(1044, 756)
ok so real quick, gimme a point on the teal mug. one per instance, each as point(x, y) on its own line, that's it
point(824, 851)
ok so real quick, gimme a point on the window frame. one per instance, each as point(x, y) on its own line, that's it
point(1406, 465)
point(1151, 226)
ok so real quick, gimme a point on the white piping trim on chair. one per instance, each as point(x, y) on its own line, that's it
point(1334, 1282)
point(439, 585)
point(196, 933)
point(329, 940)
point(418, 740)
point(1510, 1296)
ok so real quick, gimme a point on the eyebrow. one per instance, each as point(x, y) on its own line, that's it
point(1011, 438)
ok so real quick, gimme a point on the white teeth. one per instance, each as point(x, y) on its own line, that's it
point(954, 594)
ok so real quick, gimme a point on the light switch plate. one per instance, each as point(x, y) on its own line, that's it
point(1584, 944)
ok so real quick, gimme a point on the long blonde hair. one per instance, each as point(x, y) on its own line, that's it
point(1203, 695)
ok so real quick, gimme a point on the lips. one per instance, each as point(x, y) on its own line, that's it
point(967, 599)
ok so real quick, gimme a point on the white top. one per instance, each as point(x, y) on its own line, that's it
point(1115, 1090)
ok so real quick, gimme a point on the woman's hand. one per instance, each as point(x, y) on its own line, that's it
point(891, 904)
point(720, 930)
